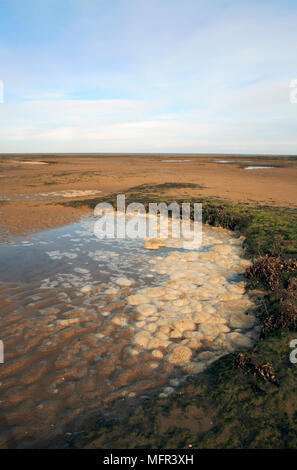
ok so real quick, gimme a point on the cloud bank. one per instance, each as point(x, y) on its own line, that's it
point(135, 76)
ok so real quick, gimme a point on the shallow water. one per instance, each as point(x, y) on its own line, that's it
point(258, 167)
point(70, 193)
point(86, 322)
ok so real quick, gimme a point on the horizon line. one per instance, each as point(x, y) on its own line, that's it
point(58, 154)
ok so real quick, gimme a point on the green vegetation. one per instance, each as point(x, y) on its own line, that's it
point(244, 400)
point(268, 230)
point(145, 188)
point(48, 183)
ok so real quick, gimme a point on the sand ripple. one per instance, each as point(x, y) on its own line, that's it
point(73, 345)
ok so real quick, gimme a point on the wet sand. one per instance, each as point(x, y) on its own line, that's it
point(59, 327)
point(31, 186)
point(87, 323)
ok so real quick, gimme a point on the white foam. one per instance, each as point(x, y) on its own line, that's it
point(195, 305)
point(123, 282)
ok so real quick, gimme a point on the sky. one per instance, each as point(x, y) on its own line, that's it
point(148, 76)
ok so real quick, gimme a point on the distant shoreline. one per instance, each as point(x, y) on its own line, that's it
point(145, 154)
point(33, 185)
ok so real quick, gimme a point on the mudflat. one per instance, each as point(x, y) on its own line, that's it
point(32, 185)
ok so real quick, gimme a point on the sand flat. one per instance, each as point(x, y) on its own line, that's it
point(79, 175)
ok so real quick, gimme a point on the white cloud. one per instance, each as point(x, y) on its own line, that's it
point(117, 126)
point(196, 76)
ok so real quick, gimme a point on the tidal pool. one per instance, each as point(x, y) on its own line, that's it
point(87, 323)
point(258, 167)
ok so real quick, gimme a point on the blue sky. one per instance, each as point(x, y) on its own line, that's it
point(148, 76)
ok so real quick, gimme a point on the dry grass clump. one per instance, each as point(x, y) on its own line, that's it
point(262, 371)
point(283, 314)
point(273, 272)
